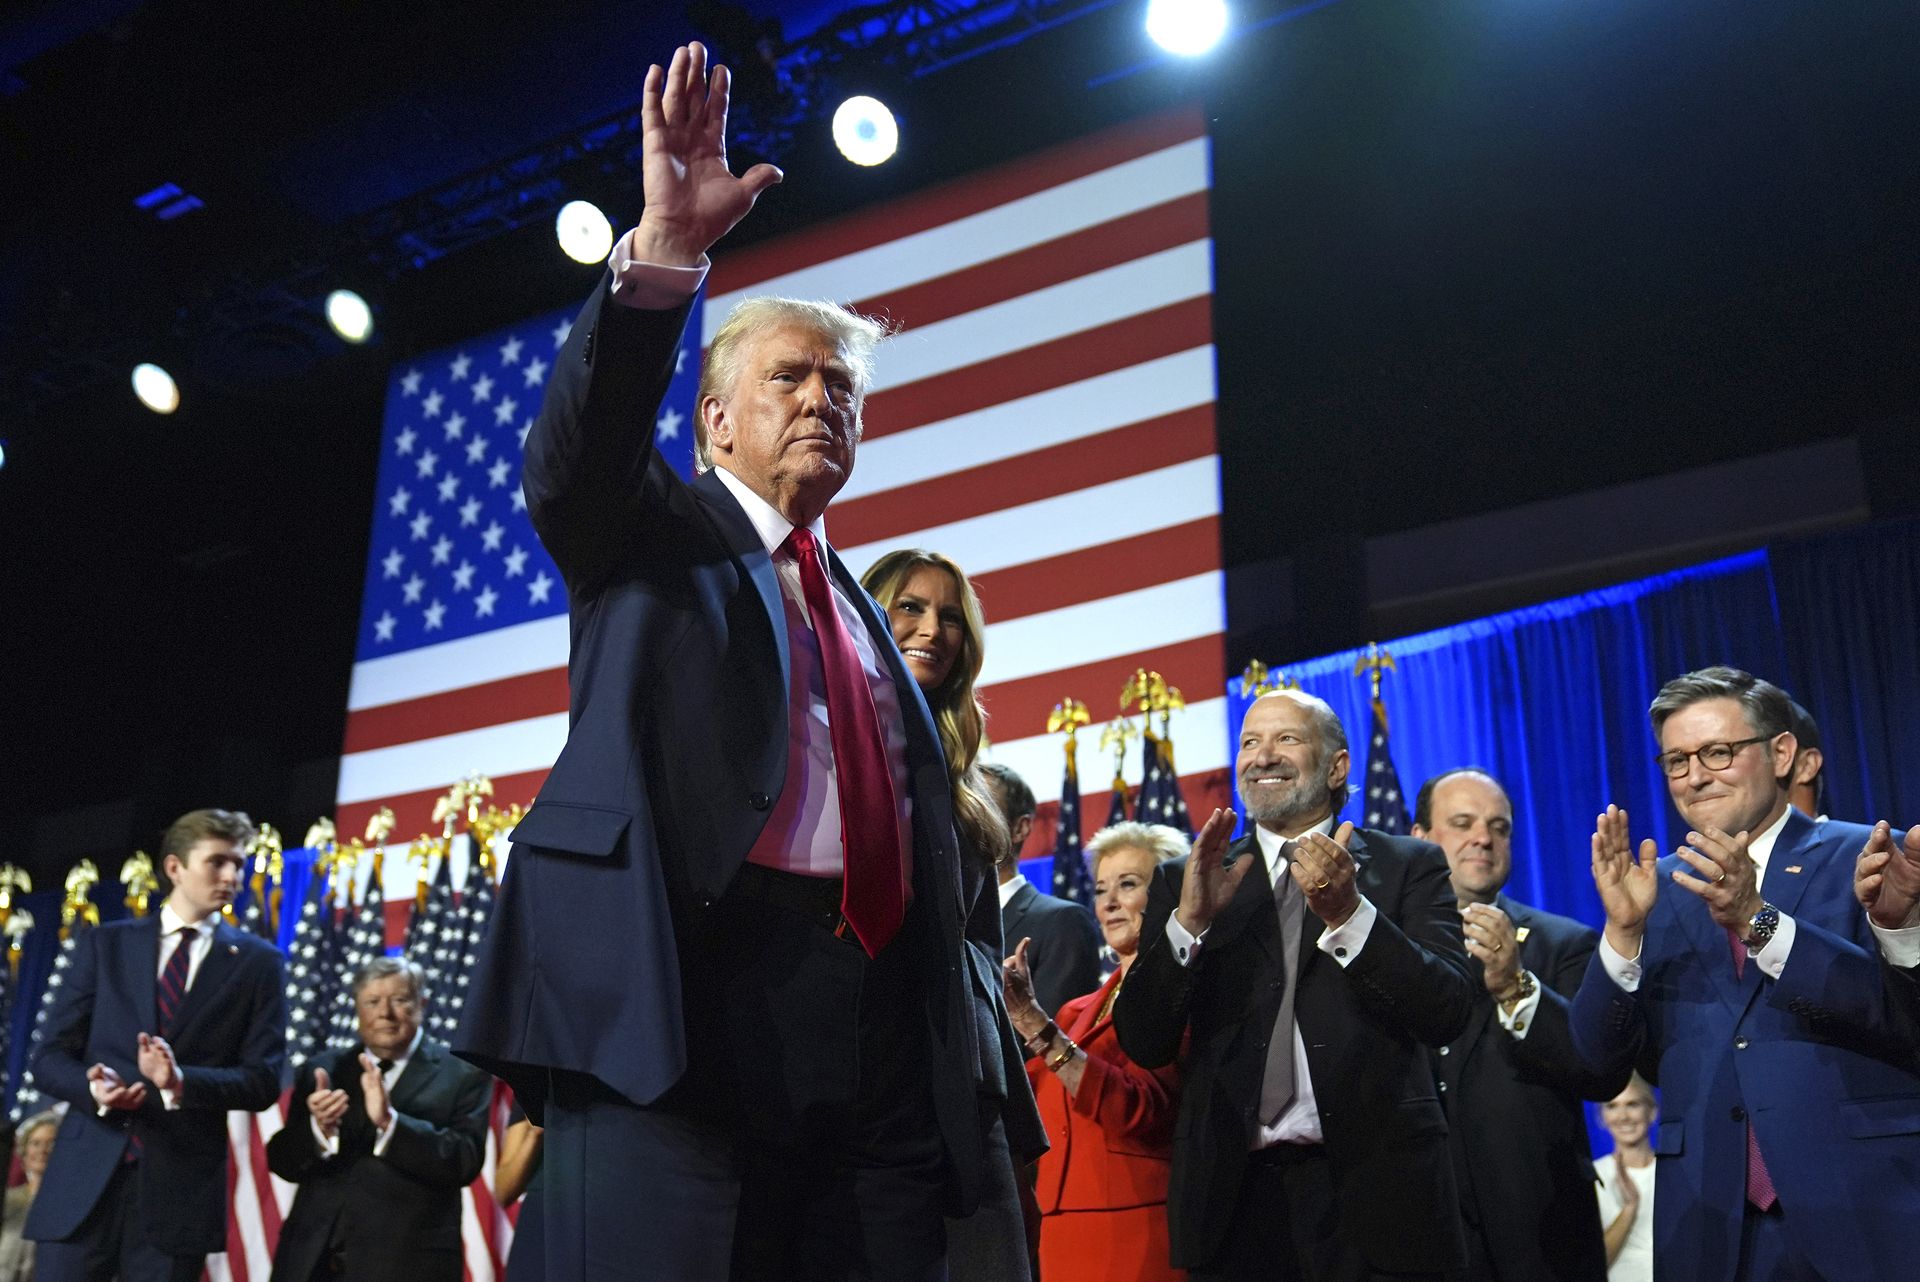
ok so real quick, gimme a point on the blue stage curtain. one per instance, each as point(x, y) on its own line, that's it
point(1850, 613)
point(1553, 701)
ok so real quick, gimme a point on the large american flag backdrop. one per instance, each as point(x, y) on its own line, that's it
point(1045, 417)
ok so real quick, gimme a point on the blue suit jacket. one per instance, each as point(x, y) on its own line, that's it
point(1821, 1061)
point(230, 1041)
point(675, 755)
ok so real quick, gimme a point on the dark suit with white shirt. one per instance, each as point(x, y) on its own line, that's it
point(391, 1215)
point(1064, 954)
point(143, 1193)
point(1379, 1180)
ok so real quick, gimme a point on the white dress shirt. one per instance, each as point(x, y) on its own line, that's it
point(330, 1144)
point(1771, 960)
point(199, 940)
point(1011, 887)
point(1300, 1123)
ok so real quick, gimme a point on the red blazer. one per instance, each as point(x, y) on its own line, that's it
point(1112, 1143)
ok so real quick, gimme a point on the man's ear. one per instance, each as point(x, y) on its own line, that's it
point(1022, 829)
point(172, 866)
point(1418, 833)
point(1808, 766)
point(716, 422)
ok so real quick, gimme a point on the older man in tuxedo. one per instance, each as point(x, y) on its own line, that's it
point(162, 1025)
point(1741, 974)
point(728, 970)
point(1312, 968)
point(382, 1140)
point(1513, 1082)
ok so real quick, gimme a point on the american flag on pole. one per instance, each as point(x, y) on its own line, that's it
point(1385, 806)
point(1046, 418)
point(1070, 879)
point(1161, 801)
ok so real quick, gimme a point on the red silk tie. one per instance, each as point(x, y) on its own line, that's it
point(873, 901)
point(1759, 1182)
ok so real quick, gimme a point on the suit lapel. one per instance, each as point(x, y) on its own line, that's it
point(421, 1070)
point(141, 968)
point(744, 542)
point(216, 969)
point(1793, 863)
point(1014, 915)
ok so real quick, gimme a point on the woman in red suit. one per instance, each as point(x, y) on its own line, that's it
point(1103, 1184)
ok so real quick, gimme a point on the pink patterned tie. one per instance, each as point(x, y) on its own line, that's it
point(873, 900)
point(1759, 1183)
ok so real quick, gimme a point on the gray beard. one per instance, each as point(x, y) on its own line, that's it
point(1298, 800)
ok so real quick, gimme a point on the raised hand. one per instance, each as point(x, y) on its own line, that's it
point(1886, 878)
point(1016, 981)
point(1624, 1187)
point(1323, 869)
point(1490, 937)
point(373, 1092)
point(693, 198)
point(1727, 880)
point(326, 1104)
point(156, 1061)
point(1209, 884)
point(111, 1092)
point(1627, 888)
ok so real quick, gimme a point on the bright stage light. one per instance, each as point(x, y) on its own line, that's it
point(3, 454)
point(349, 315)
point(585, 234)
point(865, 131)
point(1186, 27)
point(155, 388)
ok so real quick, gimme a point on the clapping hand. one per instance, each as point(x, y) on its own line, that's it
point(1209, 884)
point(157, 1063)
point(109, 1091)
point(373, 1089)
point(1886, 879)
point(1324, 870)
point(327, 1104)
point(692, 197)
point(1490, 938)
point(1728, 880)
point(1627, 887)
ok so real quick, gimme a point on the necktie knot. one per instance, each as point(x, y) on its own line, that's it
point(802, 544)
point(385, 1066)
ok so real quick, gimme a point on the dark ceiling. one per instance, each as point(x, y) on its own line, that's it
point(1470, 255)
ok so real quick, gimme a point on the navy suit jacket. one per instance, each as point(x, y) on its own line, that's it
point(1367, 1027)
point(675, 755)
point(1065, 952)
point(230, 1041)
point(1515, 1117)
point(1821, 1062)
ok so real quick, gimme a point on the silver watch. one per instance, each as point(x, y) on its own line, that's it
point(1760, 928)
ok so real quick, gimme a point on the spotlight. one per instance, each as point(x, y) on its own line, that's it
point(349, 315)
point(1186, 27)
point(155, 388)
point(865, 131)
point(3, 454)
point(585, 234)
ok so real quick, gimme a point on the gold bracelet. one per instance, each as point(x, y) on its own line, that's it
point(1059, 1061)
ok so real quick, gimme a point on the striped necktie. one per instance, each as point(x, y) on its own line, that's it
point(172, 990)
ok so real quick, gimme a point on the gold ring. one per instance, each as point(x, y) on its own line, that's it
point(1323, 885)
point(1717, 880)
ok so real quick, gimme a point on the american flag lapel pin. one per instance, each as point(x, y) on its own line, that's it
point(1793, 867)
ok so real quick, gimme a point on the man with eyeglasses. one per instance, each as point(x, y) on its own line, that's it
point(1742, 975)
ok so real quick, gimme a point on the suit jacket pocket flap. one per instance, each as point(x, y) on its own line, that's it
point(1667, 1140)
point(573, 829)
point(1865, 1119)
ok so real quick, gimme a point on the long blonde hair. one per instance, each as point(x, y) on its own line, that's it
point(957, 711)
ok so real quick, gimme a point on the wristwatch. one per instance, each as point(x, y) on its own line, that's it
point(1760, 928)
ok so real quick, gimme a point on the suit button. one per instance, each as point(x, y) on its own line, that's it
point(758, 800)
point(1446, 1050)
point(1740, 1043)
point(1737, 1113)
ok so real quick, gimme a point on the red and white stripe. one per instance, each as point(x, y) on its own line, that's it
point(1045, 418)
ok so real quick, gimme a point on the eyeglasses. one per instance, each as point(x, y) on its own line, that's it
point(1714, 756)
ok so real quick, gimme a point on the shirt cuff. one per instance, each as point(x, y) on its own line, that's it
point(173, 1094)
point(652, 286)
point(329, 1145)
point(1186, 945)
point(386, 1132)
point(1901, 946)
point(1624, 971)
point(1344, 942)
point(1773, 958)
point(1522, 1017)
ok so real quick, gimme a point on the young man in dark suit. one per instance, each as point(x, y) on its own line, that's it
point(383, 1139)
point(161, 1026)
point(1313, 967)
point(1063, 948)
point(1512, 1081)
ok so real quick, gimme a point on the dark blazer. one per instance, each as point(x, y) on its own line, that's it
point(676, 752)
point(1519, 1132)
point(1820, 1061)
point(230, 1041)
point(1065, 953)
point(1366, 1028)
point(399, 1213)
